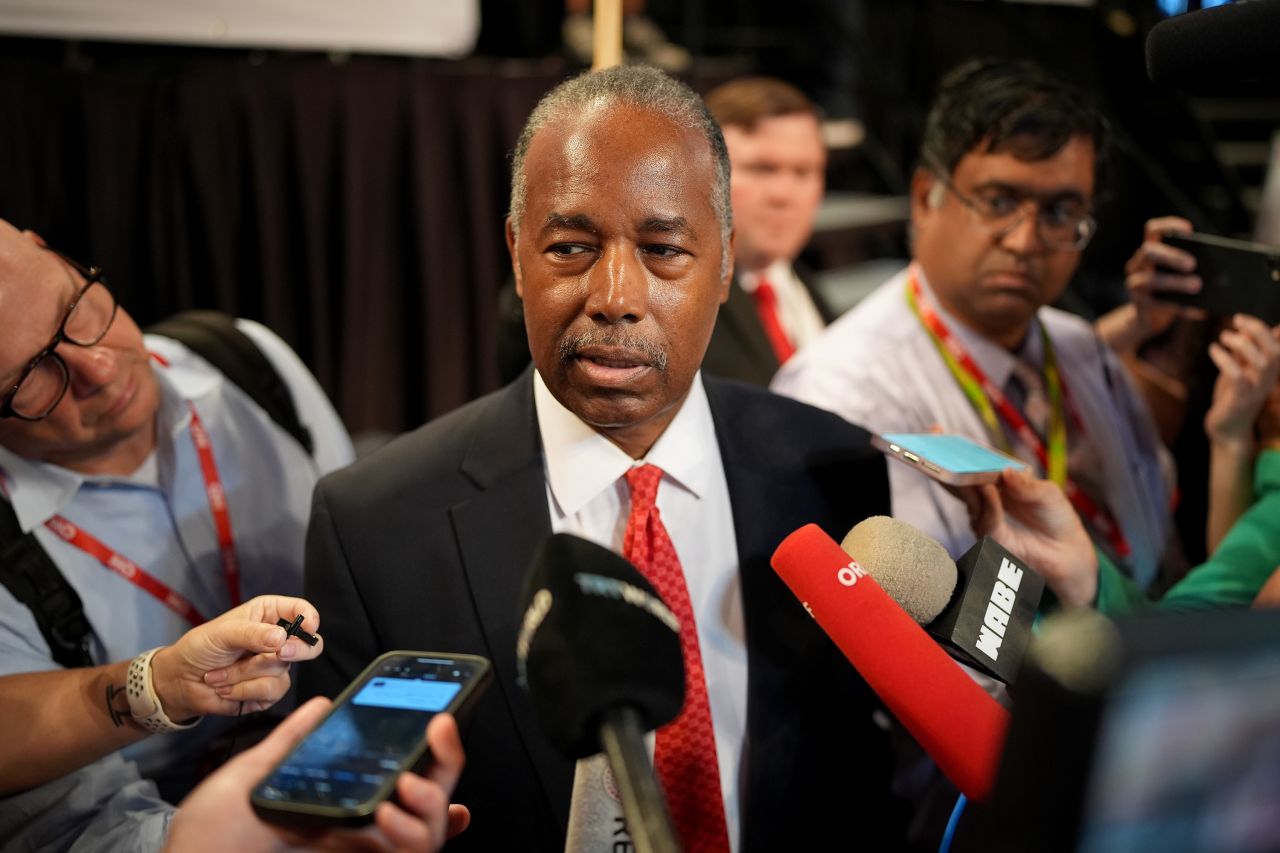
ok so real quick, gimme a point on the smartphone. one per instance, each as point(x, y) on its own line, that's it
point(1238, 277)
point(349, 762)
point(951, 459)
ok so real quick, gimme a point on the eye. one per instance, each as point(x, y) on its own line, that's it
point(999, 204)
point(1061, 214)
point(567, 250)
point(663, 251)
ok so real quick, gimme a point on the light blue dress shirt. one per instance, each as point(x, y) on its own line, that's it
point(159, 517)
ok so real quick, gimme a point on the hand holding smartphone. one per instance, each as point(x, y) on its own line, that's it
point(950, 459)
point(350, 761)
point(1237, 277)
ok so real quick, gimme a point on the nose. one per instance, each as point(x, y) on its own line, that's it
point(617, 286)
point(1022, 237)
point(89, 368)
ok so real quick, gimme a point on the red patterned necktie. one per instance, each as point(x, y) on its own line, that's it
point(767, 306)
point(685, 752)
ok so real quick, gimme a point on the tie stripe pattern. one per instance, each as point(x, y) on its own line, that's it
point(685, 752)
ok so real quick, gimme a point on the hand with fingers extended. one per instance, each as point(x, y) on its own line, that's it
point(1248, 358)
point(1033, 519)
point(218, 813)
point(241, 656)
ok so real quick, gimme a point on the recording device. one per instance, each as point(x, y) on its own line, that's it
point(1159, 732)
point(1215, 48)
point(599, 652)
point(375, 730)
point(980, 607)
point(951, 459)
point(958, 725)
point(294, 629)
point(1237, 276)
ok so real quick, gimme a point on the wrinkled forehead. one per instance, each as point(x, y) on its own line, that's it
point(621, 153)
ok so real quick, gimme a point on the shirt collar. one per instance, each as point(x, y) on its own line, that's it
point(39, 490)
point(581, 463)
point(779, 274)
point(995, 361)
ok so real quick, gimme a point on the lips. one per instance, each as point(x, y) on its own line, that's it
point(606, 365)
point(1011, 280)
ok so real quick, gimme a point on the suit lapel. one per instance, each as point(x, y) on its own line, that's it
point(740, 318)
point(781, 641)
point(498, 531)
point(809, 279)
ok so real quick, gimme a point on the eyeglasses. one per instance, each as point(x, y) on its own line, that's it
point(1062, 224)
point(44, 380)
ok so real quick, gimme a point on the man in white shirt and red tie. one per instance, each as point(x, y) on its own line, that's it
point(779, 175)
point(621, 238)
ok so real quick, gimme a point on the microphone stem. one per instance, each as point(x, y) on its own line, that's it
point(643, 802)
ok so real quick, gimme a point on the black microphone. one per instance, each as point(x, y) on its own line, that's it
point(599, 652)
point(980, 607)
point(1213, 47)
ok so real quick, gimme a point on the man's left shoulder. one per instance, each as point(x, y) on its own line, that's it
point(781, 422)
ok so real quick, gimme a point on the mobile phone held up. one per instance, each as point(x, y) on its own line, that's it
point(1236, 277)
point(376, 729)
point(951, 459)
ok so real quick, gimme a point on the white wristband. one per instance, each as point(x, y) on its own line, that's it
point(144, 704)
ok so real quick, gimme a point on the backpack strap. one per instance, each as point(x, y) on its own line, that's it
point(33, 579)
point(214, 336)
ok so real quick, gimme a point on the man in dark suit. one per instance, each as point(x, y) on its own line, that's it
point(779, 171)
point(620, 235)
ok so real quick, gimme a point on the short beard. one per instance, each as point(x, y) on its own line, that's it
point(571, 345)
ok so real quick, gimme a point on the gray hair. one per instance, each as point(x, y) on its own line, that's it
point(638, 86)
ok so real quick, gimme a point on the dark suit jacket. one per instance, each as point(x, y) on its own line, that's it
point(739, 348)
point(424, 545)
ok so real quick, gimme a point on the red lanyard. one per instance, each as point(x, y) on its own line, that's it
point(138, 576)
point(970, 375)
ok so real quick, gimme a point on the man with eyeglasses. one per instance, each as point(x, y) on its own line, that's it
point(964, 338)
point(175, 509)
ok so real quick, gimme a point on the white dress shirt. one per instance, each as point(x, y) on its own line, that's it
point(797, 312)
point(877, 367)
point(588, 496)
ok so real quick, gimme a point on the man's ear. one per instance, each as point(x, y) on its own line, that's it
point(727, 280)
point(515, 262)
point(35, 238)
point(926, 191)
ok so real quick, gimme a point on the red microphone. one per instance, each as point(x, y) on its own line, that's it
point(958, 725)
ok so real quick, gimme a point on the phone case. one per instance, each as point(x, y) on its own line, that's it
point(951, 459)
point(314, 815)
point(1236, 276)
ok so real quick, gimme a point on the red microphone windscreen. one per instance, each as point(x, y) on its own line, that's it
point(958, 725)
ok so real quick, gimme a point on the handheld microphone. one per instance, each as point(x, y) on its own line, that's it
point(981, 607)
point(1228, 44)
point(956, 723)
point(599, 652)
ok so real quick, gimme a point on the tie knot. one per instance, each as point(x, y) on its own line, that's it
point(1028, 376)
point(643, 483)
point(764, 293)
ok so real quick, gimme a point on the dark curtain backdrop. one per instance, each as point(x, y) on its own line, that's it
point(354, 205)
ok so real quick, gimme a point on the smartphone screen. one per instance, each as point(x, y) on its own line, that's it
point(375, 731)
